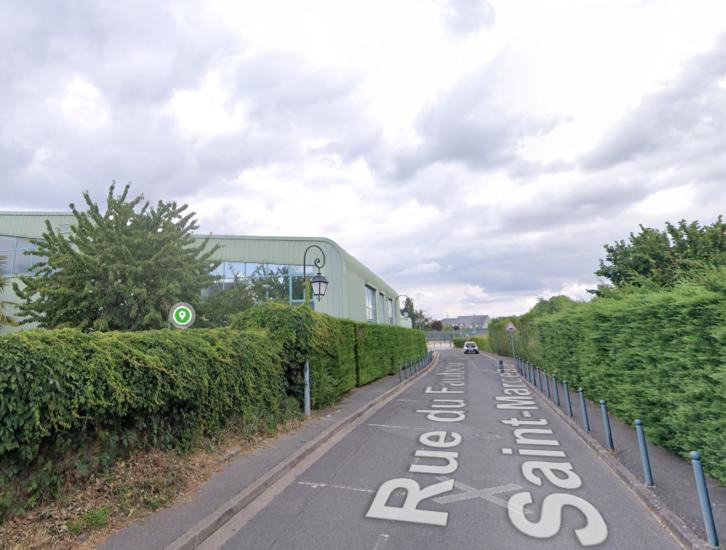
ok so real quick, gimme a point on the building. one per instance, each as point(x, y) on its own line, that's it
point(468, 321)
point(272, 263)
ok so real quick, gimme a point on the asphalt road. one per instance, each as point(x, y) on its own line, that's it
point(486, 468)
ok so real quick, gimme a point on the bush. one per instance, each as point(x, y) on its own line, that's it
point(65, 393)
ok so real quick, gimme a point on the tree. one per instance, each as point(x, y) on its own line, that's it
point(4, 319)
point(408, 306)
point(658, 259)
point(215, 311)
point(122, 270)
point(437, 325)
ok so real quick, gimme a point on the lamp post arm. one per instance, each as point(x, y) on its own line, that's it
point(317, 263)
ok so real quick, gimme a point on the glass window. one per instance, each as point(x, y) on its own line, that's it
point(298, 289)
point(7, 243)
point(232, 268)
point(251, 268)
point(6, 265)
point(390, 311)
point(24, 244)
point(22, 263)
point(370, 304)
point(381, 310)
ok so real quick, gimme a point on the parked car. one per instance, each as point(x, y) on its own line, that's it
point(471, 347)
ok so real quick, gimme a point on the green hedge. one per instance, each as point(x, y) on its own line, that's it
point(482, 342)
point(342, 353)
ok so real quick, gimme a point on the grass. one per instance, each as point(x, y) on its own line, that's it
point(87, 512)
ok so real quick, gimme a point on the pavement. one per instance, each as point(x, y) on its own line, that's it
point(336, 495)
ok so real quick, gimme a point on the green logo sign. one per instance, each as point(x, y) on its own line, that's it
point(182, 315)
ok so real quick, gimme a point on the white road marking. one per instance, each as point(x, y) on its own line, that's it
point(316, 485)
point(486, 494)
point(381, 544)
point(526, 414)
point(387, 426)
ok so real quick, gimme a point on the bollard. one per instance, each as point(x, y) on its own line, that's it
point(606, 423)
point(306, 394)
point(539, 379)
point(531, 372)
point(400, 374)
point(408, 368)
point(557, 391)
point(704, 498)
point(644, 453)
point(501, 366)
point(547, 384)
point(584, 410)
point(567, 399)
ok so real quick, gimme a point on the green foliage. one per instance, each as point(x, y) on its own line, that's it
point(122, 270)
point(4, 319)
point(71, 402)
point(216, 311)
point(95, 519)
point(482, 342)
point(654, 258)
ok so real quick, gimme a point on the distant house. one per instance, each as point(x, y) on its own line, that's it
point(468, 321)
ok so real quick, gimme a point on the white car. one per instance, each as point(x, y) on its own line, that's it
point(470, 347)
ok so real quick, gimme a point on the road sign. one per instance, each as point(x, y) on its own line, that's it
point(473, 332)
point(511, 327)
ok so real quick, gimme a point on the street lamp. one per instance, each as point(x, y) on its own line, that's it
point(405, 311)
point(319, 285)
point(424, 316)
point(318, 282)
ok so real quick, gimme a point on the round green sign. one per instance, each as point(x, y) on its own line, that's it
point(182, 315)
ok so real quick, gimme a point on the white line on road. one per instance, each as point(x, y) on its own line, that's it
point(316, 485)
point(381, 544)
point(486, 494)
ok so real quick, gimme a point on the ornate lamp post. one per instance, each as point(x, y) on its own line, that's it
point(424, 317)
point(405, 311)
point(319, 285)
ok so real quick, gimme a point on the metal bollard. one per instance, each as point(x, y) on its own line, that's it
point(557, 391)
point(584, 410)
point(606, 423)
point(531, 372)
point(644, 453)
point(306, 394)
point(501, 366)
point(408, 367)
point(567, 399)
point(400, 374)
point(539, 379)
point(547, 385)
point(704, 498)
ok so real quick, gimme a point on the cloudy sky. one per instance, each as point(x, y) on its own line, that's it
point(475, 154)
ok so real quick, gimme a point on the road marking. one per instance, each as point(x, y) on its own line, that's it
point(486, 494)
point(526, 414)
point(381, 544)
point(316, 485)
point(404, 427)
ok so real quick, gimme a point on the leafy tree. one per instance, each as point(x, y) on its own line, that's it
point(656, 259)
point(215, 311)
point(437, 325)
point(408, 306)
point(122, 270)
point(4, 319)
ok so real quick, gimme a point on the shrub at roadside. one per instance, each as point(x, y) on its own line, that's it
point(71, 403)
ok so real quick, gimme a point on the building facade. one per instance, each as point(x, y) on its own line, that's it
point(272, 265)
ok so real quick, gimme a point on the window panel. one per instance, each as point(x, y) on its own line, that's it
point(390, 311)
point(252, 268)
point(22, 263)
point(370, 305)
point(298, 290)
point(24, 244)
point(6, 265)
point(7, 243)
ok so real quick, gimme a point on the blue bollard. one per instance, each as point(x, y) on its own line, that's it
point(567, 399)
point(400, 375)
point(408, 366)
point(531, 373)
point(584, 410)
point(501, 366)
point(644, 453)
point(704, 498)
point(539, 379)
point(606, 423)
point(557, 391)
point(547, 385)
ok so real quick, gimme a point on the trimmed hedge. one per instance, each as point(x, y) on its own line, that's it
point(342, 353)
point(482, 342)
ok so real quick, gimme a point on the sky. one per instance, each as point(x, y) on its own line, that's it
point(477, 155)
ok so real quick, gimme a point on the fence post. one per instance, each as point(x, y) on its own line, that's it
point(704, 498)
point(606, 422)
point(567, 399)
point(585, 420)
point(547, 384)
point(557, 391)
point(644, 453)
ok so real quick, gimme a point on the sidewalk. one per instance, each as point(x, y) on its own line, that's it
point(159, 530)
point(675, 484)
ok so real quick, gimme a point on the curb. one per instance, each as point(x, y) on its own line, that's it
point(206, 527)
point(678, 528)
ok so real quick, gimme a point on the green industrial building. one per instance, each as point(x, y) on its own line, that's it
point(354, 291)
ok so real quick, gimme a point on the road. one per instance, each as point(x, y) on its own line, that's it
point(464, 458)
